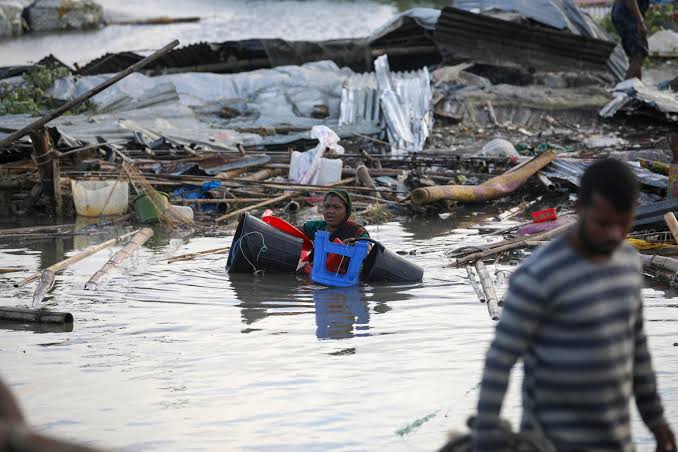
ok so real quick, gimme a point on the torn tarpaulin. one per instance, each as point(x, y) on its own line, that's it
point(633, 93)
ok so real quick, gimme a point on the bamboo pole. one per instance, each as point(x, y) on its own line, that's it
point(273, 201)
point(474, 284)
point(91, 93)
point(59, 266)
point(672, 223)
point(118, 258)
point(11, 270)
point(191, 256)
point(488, 289)
point(34, 316)
point(45, 285)
point(507, 245)
point(258, 205)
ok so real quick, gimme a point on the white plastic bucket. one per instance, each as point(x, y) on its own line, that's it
point(90, 196)
point(329, 173)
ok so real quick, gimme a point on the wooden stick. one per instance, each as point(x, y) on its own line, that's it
point(488, 289)
point(258, 205)
point(118, 258)
point(191, 256)
point(35, 229)
point(507, 245)
point(364, 178)
point(91, 93)
point(272, 201)
point(672, 223)
point(90, 147)
point(11, 270)
point(360, 135)
point(222, 200)
point(59, 266)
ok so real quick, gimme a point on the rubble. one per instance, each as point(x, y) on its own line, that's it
point(53, 15)
point(11, 22)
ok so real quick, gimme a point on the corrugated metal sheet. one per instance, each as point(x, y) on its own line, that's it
point(634, 92)
point(463, 34)
point(560, 14)
point(400, 100)
point(572, 170)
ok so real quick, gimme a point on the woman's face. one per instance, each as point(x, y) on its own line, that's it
point(334, 211)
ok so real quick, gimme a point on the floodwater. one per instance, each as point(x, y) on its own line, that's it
point(186, 357)
point(221, 20)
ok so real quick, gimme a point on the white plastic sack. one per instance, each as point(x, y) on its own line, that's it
point(306, 169)
point(499, 148)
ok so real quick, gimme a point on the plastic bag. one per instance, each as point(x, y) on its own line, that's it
point(306, 165)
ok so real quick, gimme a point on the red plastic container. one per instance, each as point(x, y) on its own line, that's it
point(544, 215)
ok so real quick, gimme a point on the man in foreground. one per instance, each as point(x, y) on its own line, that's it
point(574, 314)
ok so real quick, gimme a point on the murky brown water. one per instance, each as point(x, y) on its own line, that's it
point(185, 357)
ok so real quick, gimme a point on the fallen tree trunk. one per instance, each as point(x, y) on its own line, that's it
point(118, 258)
point(492, 189)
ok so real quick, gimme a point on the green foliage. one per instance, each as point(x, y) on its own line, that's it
point(31, 97)
point(659, 16)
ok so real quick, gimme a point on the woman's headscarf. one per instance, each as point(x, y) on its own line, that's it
point(346, 199)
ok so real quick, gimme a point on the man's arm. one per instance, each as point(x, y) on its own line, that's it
point(645, 389)
point(520, 318)
point(632, 5)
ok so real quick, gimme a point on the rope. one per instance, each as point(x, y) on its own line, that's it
point(263, 249)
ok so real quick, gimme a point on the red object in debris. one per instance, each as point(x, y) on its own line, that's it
point(544, 215)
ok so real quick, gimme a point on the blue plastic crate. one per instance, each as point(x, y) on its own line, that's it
point(322, 247)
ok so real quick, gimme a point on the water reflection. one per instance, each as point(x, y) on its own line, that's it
point(340, 313)
point(37, 327)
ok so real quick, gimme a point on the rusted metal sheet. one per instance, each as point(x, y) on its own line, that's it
point(485, 39)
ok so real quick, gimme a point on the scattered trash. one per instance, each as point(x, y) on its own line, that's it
point(664, 44)
point(545, 215)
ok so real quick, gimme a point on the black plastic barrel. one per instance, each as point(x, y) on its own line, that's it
point(382, 265)
point(259, 246)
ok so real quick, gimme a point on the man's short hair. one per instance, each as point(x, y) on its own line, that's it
point(614, 181)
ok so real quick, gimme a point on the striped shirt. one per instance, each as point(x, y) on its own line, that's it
point(578, 327)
